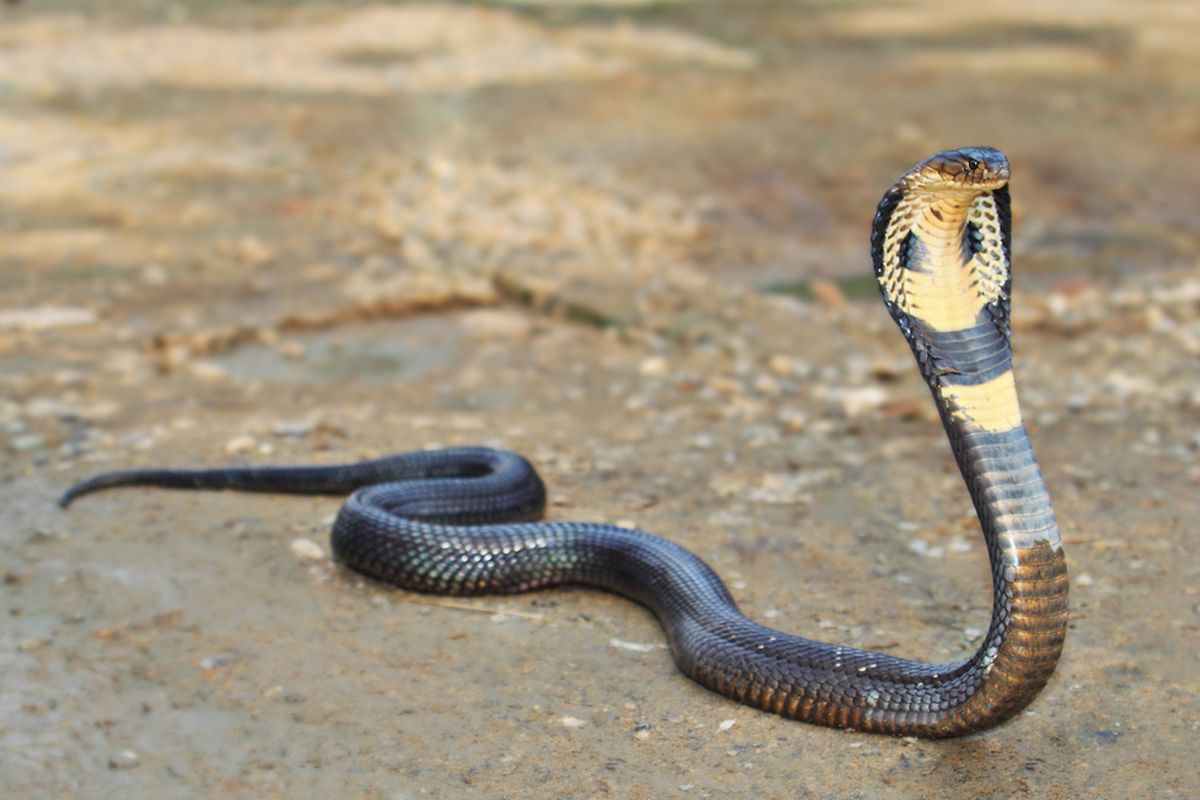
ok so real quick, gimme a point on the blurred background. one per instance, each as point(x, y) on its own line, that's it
point(630, 240)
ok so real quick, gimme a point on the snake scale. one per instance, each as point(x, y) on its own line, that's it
point(464, 520)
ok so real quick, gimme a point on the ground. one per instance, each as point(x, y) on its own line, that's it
point(628, 240)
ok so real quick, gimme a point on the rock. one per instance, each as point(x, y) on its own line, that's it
point(793, 420)
point(126, 759)
point(307, 550)
point(26, 442)
point(497, 323)
point(859, 401)
point(726, 724)
point(295, 429)
point(45, 318)
point(828, 294)
point(923, 548)
point(252, 251)
point(654, 367)
point(637, 647)
point(785, 366)
point(239, 445)
point(573, 722)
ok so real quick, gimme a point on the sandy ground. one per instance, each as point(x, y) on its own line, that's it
point(629, 241)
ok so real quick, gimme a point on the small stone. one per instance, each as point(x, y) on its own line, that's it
point(828, 294)
point(767, 386)
point(307, 550)
point(1084, 579)
point(154, 275)
point(239, 445)
point(923, 548)
point(207, 370)
point(494, 323)
point(44, 318)
point(220, 659)
point(654, 367)
point(297, 429)
point(253, 251)
point(726, 724)
point(573, 722)
point(277, 692)
point(785, 366)
point(793, 420)
point(293, 350)
point(857, 402)
point(26, 442)
point(637, 647)
point(126, 759)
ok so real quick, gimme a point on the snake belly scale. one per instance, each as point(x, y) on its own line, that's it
point(466, 520)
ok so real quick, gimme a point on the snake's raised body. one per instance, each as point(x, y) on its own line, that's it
point(459, 521)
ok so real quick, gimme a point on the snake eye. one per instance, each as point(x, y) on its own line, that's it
point(972, 164)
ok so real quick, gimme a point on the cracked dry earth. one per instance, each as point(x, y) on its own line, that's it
point(627, 241)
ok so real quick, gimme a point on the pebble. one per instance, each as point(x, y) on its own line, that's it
point(207, 370)
point(726, 724)
point(126, 759)
point(154, 275)
point(296, 429)
point(492, 323)
point(784, 366)
point(828, 294)
point(793, 420)
point(573, 722)
point(768, 386)
point(277, 692)
point(637, 647)
point(44, 318)
point(860, 401)
point(220, 659)
point(654, 367)
point(239, 445)
point(292, 350)
point(923, 548)
point(26, 442)
point(307, 550)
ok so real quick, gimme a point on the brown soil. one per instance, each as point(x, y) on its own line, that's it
point(627, 240)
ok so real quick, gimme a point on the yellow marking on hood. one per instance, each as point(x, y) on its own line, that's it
point(942, 291)
point(992, 406)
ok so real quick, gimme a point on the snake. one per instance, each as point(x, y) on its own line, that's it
point(470, 520)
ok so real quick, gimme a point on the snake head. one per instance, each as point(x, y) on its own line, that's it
point(972, 169)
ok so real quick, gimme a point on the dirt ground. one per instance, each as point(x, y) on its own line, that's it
point(627, 239)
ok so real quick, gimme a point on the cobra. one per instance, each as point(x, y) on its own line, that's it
point(465, 520)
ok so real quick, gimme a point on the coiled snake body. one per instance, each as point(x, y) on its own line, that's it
point(459, 521)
